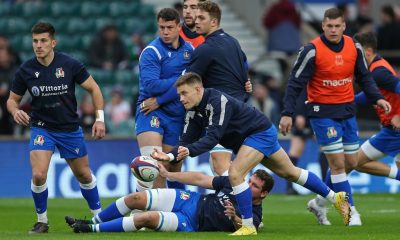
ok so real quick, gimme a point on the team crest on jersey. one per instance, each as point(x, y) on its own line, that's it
point(186, 54)
point(339, 60)
point(155, 122)
point(331, 132)
point(39, 140)
point(59, 73)
point(185, 195)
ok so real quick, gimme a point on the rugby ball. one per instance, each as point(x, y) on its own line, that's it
point(144, 168)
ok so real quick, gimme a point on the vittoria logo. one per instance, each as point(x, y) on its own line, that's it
point(59, 73)
point(35, 91)
point(185, 195)
point(155, 122)
point(39, 140)
point(186, 54)
point(331, 133)
point(339, 60)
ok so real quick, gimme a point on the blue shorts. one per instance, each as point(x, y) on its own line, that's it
point(387, 141)
point(329, 130)
point(169, 128)
point(265, 141)
point(69, 144)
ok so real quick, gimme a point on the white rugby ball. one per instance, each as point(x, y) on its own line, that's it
point(144, 168)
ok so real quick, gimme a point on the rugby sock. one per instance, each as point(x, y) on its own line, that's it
point(175, 185)
point(340, 184)
point(243, 197)
point(122, 224)
point(90, 193)
point(115, 210)
point(40, 194)
point(394, 173)
point(310, 181)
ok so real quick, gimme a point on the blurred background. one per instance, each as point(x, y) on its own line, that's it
point(108, 36)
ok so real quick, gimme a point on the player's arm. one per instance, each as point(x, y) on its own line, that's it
point(302, 71)
point(90, 85)
point(191, 178)
point(150, 73)
point(20, 117)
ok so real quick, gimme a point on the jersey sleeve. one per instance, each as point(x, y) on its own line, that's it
point(150, 73)
point(385, 79)
point(220, 113)
point(79, 71)
point(200, 60)
point(302, 72)
point(192, 129)
point(18, 85)
point(364, 78)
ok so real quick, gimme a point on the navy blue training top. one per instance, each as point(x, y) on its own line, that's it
point(52, 89)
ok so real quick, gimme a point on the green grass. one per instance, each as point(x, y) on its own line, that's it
point(285, 217)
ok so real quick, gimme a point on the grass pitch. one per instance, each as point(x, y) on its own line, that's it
point(285, 217)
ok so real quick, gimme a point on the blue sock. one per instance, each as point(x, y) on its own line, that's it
point(115, 210)
point(398, 175)
point(312, 182)
point(328, 180)
point(176, 185)
point(112, 226)
point(341, 184)
point(90, 193)
point(244, 200)
point(40, 194)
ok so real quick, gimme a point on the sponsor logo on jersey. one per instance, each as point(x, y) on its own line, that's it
point(331, 132)
point(35, 91)
point(155, 122)
point(37, 74)
point(186, 54)
point(337, 83)
point(59, 73)
point(39, 140)
point(77, 150)
point(185, 195)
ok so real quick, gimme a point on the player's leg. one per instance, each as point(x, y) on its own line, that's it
point(220, 160)
point(297, 144)
point(72, 147)
point(41, 148)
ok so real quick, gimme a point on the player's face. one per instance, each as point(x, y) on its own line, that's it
point(169, 31)
point(189, 12)
point(190, 96)
point(333, 29)
point(256, 187)
point(204, 22)
point(43, 44)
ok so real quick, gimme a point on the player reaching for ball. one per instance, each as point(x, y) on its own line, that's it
point(178, 210)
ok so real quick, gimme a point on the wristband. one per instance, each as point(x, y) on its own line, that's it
point(171, 157)
point(100, 115)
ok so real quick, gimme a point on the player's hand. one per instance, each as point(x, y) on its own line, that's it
point(163, 171)
point(230, 211)
point(395, 121)
point(182, 153)
point(385, 105)
point(248, 86)
point(300, 122)
point(159, 155)
point(98, 130)
point(149, 105)
point(285, 125)
point(21, 117)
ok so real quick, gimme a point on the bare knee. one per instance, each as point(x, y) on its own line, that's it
point(39, 177)
point(136, 200)
point(84, 176)
point(146, 219)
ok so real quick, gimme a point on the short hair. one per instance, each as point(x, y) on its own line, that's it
point(267, 178)
point(169, 14)
point(189, 78)
point(333, 13)
point(197, 1)
point(388, 10)
point(212, 8)
point(367, 40)
point(44, 27)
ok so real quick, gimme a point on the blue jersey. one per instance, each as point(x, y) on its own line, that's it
point(303, 71)
point(210, 209)
point(160, 66)
point(53, 91)
point(222, 65)
point(224, 120)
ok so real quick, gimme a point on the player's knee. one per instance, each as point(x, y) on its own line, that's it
point(136, 200)
point(39, 177)
point(84, 177)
